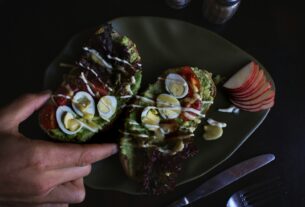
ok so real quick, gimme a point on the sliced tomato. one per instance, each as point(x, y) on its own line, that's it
point(59, 100)
point(95, 85)
point(196, 105)
point(183, 117)
point(98, 87)
point(191, 79)
point(47, 117)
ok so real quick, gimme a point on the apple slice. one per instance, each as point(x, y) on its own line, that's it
point(262, 107)
point(256, 107)
point(251, 91)
point(263, 89)
point(255, 86)
point(269, 94)
point(243, 78)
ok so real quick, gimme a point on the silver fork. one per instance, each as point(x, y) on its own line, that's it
point(261, 194)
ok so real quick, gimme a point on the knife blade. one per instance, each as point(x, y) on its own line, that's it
point(224, 178)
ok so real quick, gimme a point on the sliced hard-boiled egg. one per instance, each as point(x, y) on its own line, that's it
point(70, 122)
point(176, 85)
point(67, 121)
point(168, 106)
point(107, 106)
point(83, 104)
point(150, 118)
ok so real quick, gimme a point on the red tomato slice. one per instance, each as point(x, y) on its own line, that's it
point(191, 79)
point(196, 105)
point(99, 87)
point(59, 100)
point(95, 85)
point(47, 117)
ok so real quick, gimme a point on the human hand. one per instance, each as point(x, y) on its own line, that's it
point(41, 173)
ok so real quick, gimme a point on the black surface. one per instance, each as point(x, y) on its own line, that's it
point(33, 32)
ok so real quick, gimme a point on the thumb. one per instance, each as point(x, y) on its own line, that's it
point(23, 107)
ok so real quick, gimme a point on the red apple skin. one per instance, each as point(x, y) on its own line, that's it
point(263, 89)
point(268, 95)
point(242, 106)
point(250, 91)
point(257, 84)
point(247, 82)
point(263, 107)
point(255, 108)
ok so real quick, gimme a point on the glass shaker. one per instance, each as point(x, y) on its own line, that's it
point(177, 4)
point(219, 11)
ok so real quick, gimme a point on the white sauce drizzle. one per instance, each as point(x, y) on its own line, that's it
point(58, 95)
point(231, 109)
point(197, 112)
point(207, 102)
point(82, 76)
point(190, 116)
point(136, 135)
point(127, 96)
point(216, 123)
point(165, 151)
point(145, 99)
point(152, 126)
point(135, 106)
point(134, 123)
point(97, 76)
point(119, 60)
point(97, 55)
point(87, 126)
point(61, 95)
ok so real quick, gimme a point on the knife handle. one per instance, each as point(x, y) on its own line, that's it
point(179, 203)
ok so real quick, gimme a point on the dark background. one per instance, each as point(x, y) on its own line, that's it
point(33, 32)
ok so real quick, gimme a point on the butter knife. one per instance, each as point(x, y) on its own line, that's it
point(224, 178)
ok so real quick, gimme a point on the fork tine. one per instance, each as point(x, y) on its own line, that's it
point(262, 192)
point(263, 198)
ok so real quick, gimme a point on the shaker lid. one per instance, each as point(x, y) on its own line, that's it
point(228, 2)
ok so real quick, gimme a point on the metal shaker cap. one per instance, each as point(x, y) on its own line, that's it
point(228, 2)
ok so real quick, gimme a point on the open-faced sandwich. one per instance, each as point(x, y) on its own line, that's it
point(158, 131)
point(107, 74)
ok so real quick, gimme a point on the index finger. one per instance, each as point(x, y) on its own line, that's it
point(22, 108)
point(61, 155)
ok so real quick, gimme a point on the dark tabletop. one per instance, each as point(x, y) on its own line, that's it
point(33, 32)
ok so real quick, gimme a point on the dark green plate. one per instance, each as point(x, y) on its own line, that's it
point(165, 43)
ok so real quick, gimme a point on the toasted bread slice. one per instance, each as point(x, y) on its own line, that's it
point(105, 76)
point(158, 130)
